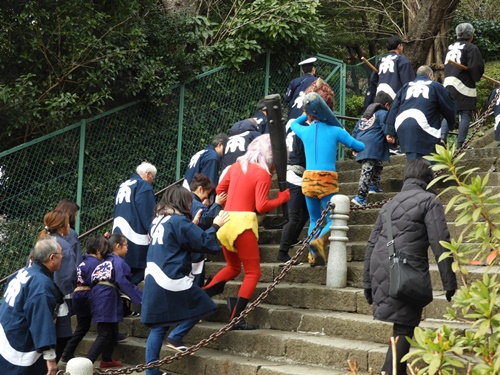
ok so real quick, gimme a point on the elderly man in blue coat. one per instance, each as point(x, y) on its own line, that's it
point(415, 114)
point(27, 330)
point(134, 209)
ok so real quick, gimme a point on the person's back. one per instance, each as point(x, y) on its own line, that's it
point(320, 143)
point(133, 212)
point(298, 86)
point(415, 114)
point(417, 220)
point(461, 83)
point(241, 134)
point(371, 130)
point(394, 70)
point(207, 161)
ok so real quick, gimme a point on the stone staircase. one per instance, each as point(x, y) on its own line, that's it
point(305, 327)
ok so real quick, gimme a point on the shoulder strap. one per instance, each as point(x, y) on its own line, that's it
point(388, 228)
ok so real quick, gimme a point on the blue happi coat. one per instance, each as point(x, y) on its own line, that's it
point(261, 120)
point(394, 71)
point(26, 321)
point(170, 295)
point(496, 112)
point(81, 305)
point(461, 83)
point(134, 208)
point(105, 301)
point(295, 94)
point(415, 115)
point(241, 135)
point(371, 129)
point(206, 220)
point(206, 161)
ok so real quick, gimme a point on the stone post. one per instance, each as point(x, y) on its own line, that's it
point(79, 366)
point(336, 273)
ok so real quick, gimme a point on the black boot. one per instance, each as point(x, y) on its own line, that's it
point(216, 288)
point(239, 306)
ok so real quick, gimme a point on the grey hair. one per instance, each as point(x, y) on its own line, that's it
point(464, 31)
point(44, 247)
point(259, 152)
point(146, 167)
point(424, 69)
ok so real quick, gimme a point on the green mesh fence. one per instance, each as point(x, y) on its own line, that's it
point(87, 161)
point(358, 77)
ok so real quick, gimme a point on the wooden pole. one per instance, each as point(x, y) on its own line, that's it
point(372, 67)
point(483, 76)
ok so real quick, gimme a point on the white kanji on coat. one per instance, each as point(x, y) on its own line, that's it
point(157, 230)
point(299, 100)
point(195, 158)
point(14, 287)
point(454, 52)
point(387, 64)
point(418, 88)
point(124, 192)
point(236, 143)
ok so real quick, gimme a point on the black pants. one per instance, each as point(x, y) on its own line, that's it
point(402, 348)
point(298, 216)
point(82, 327)
point(104, 342)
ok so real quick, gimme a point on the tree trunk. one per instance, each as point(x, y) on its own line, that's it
point(428, 25)
point(172, 6)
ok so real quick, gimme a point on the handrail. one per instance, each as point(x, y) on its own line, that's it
point(83, 235)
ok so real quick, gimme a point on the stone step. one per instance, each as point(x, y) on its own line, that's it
point(289, 355)
point(316, 296)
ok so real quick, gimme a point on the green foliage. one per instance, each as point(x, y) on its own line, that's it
point(252, 27)
point(483, 15)
point(354, 105)
point(62, 61)
point(447, 350)
point(486, 33)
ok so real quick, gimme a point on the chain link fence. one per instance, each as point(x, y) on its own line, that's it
point(86, 162)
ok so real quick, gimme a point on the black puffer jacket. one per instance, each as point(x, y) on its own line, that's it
point(418, 221)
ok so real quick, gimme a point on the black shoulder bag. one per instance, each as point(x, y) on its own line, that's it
point(410, 280)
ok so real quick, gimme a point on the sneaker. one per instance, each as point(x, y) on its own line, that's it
point(374, 190)
point(283, 257)
point(358, 201)
point(395, 152)
point(109, 364)
point(121, 336)
point(178, 346)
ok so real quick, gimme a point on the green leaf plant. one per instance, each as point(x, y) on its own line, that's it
point(473, 350)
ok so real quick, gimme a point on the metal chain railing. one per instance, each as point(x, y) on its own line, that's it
point(214, 336)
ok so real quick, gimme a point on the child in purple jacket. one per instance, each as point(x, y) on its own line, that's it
point(110, 279)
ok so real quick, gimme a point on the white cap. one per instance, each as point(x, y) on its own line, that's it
point(80, 366)
point(310, 60)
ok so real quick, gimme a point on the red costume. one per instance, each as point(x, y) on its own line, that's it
point(246, 193)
